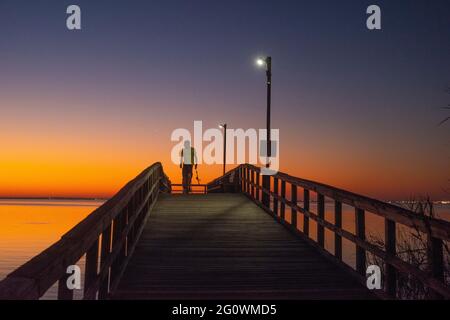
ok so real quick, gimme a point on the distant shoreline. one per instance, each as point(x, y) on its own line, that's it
point(444, 202)
point(53, 198)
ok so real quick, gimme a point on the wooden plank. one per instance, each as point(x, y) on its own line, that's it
point(338, 224)
point(306, 208)
point(117, 240)
point(435, 250)
point(265, 191)
point(224, 246)
point(361, 234)
point(90, 273)
point(321, 215)
point(252, 181)
point(275, 200)
point(258, 181)
point(64, 293)
point(283, 197)
point(246, 182)
point(13, 288)
point(241, 178)
point(105, 251)
point(293, 210)
point(390, 242)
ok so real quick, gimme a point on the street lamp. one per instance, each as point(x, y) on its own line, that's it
point(267, 62)
point(260, 62)
point(224, 127)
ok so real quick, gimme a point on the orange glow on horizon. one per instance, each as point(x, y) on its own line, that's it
point(85, 159)
point(100, 179)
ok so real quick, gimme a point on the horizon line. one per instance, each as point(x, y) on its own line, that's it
point(442, 201)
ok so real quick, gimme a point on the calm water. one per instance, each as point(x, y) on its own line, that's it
point(30, 226)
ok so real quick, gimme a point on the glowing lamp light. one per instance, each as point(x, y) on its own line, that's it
point(260, 62)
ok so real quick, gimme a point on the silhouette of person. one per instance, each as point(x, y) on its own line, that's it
point(188, 158)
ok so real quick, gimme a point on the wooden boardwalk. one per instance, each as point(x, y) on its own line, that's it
point(223, 246)
point(146, 243)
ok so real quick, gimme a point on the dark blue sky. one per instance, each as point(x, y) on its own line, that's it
point(337, 88)
point(204, 49)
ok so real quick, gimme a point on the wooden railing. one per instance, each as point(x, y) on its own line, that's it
point(195, 188)
point(230, 182)
point(247, 179)
point(107, 238)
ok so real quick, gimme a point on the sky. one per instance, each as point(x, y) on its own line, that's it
point(82, 112)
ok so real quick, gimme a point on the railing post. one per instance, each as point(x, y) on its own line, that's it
point(294, 203)
point(275, 199)
point(269, 197)
point(283, 198)
point(252, 183)
point(125, 223)
point(246, 180)
point(436, 262)
point(258, 189)
point(243, 179)
point(321, 215)
point(361, 234)
point(130, 215)
point(306, 208)
point(390, 247)
point(338, 224)
point(243, 169)
point(240, 178)
point(105, 251)
point(266, 188)
point(64, 293)
point(90, 272)
point(249, 186)
point(116, 233)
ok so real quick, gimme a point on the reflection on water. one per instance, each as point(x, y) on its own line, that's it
point(30, 226)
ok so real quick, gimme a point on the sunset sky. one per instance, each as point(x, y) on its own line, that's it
point(83, 112)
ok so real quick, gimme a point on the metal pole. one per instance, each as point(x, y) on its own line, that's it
point(266, 178)
point(269, 98)
point(224, 147)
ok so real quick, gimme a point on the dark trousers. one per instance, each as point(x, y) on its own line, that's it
point(187, 178)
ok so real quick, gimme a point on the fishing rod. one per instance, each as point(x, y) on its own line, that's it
point(196, 176)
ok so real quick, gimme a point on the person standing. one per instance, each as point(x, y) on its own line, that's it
point(188, 159)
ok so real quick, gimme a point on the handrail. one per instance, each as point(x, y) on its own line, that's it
point(276, 203)
point(229, 182)
point(108, 234)
point(196, 188)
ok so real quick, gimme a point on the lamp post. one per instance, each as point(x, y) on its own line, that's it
point(224, 127)
point(267, 61)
